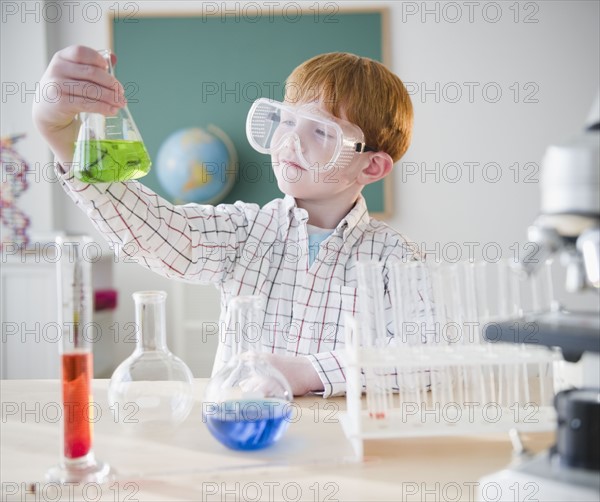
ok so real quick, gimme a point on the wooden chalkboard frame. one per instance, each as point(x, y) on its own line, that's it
point(379, 196)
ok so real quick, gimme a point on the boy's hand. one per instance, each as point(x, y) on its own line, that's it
point(75, 81)
point(299, 371)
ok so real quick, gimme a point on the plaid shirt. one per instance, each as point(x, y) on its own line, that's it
point(247, 250)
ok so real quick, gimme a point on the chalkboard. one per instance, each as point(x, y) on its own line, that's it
point(193, 70)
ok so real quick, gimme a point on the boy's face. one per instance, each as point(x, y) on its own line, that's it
point(308, 183)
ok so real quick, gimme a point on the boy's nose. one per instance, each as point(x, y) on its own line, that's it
point(292, 143)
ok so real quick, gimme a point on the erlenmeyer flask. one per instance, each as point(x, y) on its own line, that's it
point(109, 148)
point(152, 389)
point(247, 403)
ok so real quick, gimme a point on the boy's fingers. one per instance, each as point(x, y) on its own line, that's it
point(82, 74)
point(76, 96)
point(94, 93)
point(91, 106)
point(82, 55)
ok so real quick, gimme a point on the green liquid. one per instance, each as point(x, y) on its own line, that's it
point(98, 161)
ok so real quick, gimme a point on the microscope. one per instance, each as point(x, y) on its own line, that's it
point(568, 227)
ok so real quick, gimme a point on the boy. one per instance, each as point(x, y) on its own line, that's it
point(321, 162)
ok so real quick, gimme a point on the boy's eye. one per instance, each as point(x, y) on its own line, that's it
point(288, 123)
point(323, 133)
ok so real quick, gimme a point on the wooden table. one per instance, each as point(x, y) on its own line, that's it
point(313, 461)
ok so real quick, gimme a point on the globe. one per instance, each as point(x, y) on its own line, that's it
point(197, 165)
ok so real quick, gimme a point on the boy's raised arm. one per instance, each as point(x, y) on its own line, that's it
point(199, 243)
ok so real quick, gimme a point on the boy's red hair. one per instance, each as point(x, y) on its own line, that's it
point(371, 96)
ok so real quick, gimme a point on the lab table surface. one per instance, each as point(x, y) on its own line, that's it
point(313, 461)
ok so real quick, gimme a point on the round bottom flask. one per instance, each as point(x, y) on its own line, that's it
point(247, 403)
point(152, 389)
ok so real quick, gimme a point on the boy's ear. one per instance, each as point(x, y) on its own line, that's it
point(379, 166)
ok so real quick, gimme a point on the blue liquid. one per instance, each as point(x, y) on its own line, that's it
point(248, 425)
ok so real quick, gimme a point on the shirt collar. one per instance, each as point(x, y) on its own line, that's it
point(349, 228)
point(289, 203)
point(292, 211)
point(352, 225)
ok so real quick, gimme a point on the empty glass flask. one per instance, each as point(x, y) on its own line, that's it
point(152, 389)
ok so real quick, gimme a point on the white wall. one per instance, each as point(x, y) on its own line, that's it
point(554, 62)
point(556, 58)
point(558, 55)
point(22, 63)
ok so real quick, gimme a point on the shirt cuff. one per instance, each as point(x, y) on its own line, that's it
point(67, 178)
point(59, 169)
point(329, 367)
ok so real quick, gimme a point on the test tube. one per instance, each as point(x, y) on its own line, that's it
point(374, 335)
point(77, 462)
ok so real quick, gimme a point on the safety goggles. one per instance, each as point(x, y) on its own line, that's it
point(320, 141)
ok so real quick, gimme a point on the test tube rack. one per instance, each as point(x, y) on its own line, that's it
point(444, 388)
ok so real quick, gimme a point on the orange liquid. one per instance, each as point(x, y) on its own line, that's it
point(77, 371)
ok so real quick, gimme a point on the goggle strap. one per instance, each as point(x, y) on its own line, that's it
point(362, 148)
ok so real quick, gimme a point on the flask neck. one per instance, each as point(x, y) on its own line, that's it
point(245, 323)
point(150, 321)
point(105, 53)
